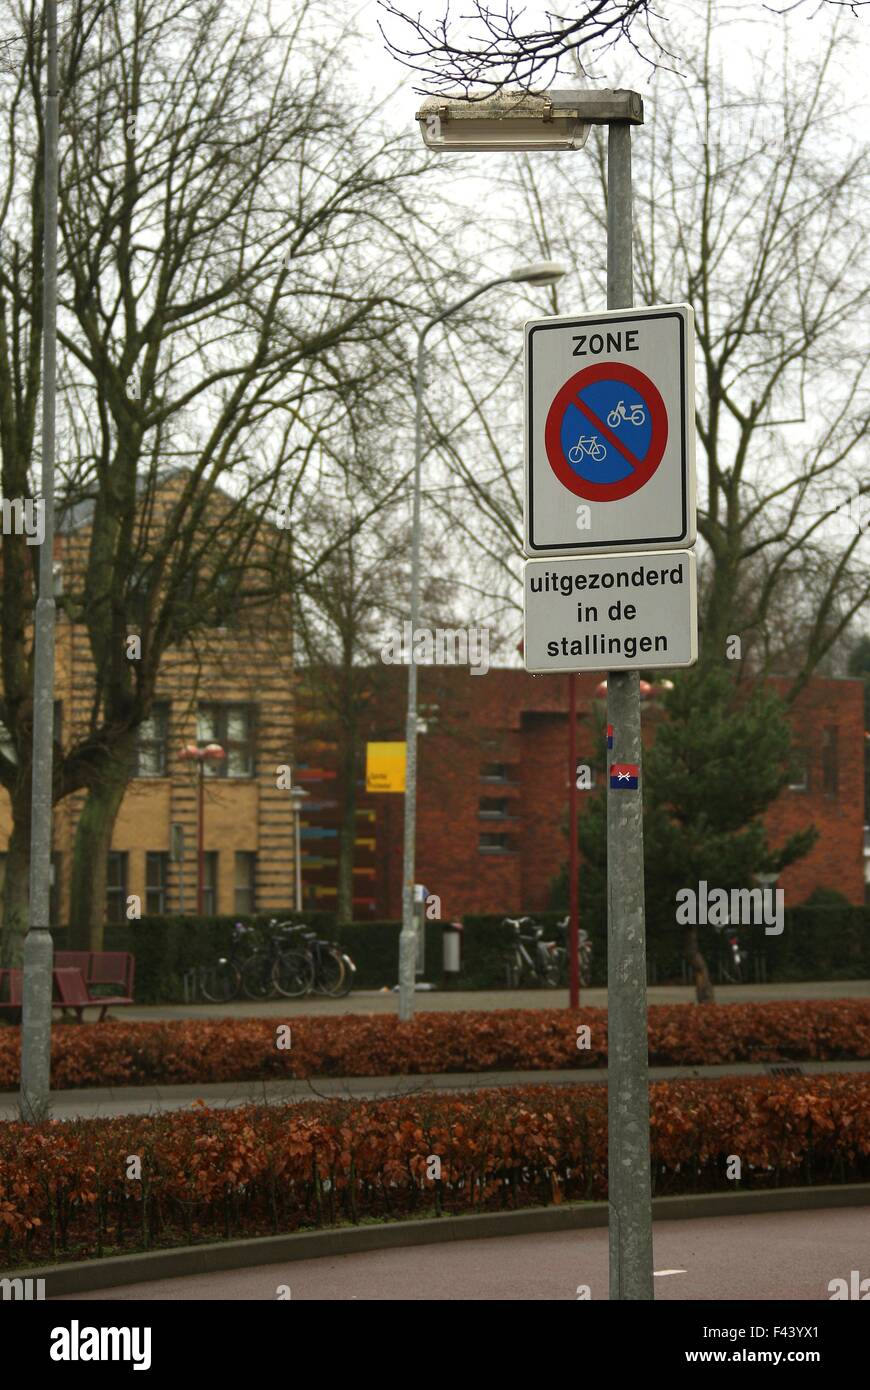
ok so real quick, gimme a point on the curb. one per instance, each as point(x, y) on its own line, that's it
point(118, 1270)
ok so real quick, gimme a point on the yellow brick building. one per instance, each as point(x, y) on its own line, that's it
point(233, 685)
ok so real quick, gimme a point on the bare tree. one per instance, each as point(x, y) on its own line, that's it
point(219, 201)
point(736, 214)
point(498, 47)
point(490, 47)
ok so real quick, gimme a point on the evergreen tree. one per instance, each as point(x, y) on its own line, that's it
point(720, 758)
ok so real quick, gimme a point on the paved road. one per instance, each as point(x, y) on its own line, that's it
point(146, 1100)
point(783, 1255)
point(377, 1002)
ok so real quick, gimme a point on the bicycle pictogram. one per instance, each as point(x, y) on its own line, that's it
point(635, 415)
point(587, 444)
point(606, 432)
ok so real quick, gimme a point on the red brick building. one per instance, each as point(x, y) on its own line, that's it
point(493, 794)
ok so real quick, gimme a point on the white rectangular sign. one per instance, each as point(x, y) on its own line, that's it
point(610, 431)
point(611, 612)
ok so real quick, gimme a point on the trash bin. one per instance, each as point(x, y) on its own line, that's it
point(451, 938)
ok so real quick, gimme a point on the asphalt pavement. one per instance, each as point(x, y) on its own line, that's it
point(782, 1255)
point(386, 1002)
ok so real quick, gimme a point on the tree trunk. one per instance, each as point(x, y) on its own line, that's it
point(91, 851)
point(700, 974)
point(16, 894)
point(347, 831)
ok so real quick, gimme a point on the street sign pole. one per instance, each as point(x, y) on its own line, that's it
point(630, 1214)
point(573, 864)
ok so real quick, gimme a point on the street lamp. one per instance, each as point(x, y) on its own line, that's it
point(38, 950)
point(212, 752)
point(541, 273)
point(298, 796)
point(558, 121)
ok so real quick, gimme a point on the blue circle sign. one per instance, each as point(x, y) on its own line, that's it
point(606, 432)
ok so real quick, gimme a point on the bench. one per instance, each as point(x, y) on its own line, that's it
point(72, 990)
point(80, 979)
point(109, 968)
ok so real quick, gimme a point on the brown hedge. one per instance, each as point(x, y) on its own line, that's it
point(66, 1189)
point(119, 1053)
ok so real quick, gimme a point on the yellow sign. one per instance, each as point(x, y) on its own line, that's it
point(385, 767)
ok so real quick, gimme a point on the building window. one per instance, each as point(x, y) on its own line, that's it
point(210, 883)
point(151, 742)
point(494, 772)
point(493, 807)
point(224, 596)
point(7, 743)
point(156, 870)
point(830, 761)
point(799, 776)
point(246, 881)
point(232, 726)
point(116, 886)
point(492, 843)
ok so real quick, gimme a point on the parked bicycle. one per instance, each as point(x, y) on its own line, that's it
point(246, 969)
point(322, 965)
point(530, 956)
point(584, 953)
point(278, 961)
point(221, 982)
point(292, 962)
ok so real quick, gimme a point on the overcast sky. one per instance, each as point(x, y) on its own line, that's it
point(752, 28)
point(748, 30)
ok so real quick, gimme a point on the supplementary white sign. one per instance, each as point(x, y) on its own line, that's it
point(610, 431)
point(611, 612)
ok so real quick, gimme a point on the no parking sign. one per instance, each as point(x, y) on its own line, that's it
point(610, 432)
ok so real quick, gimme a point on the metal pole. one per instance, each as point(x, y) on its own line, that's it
point(408, 934)
point(297, 835)
point(38, 948)
point(200, 840)
point(630, 1234)
point(573, 857)
point(407, 937)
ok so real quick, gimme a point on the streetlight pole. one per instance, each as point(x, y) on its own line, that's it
point(551, 121)
point(212, 752)
point(38, 948)
point(542, 274)
point(573, 857)
point(629, 1197)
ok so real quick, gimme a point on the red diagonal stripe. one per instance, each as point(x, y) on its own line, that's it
point(611, 438)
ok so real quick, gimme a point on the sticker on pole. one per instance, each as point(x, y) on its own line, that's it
point(609, 407)
point(606, 432)
point(623, 777)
